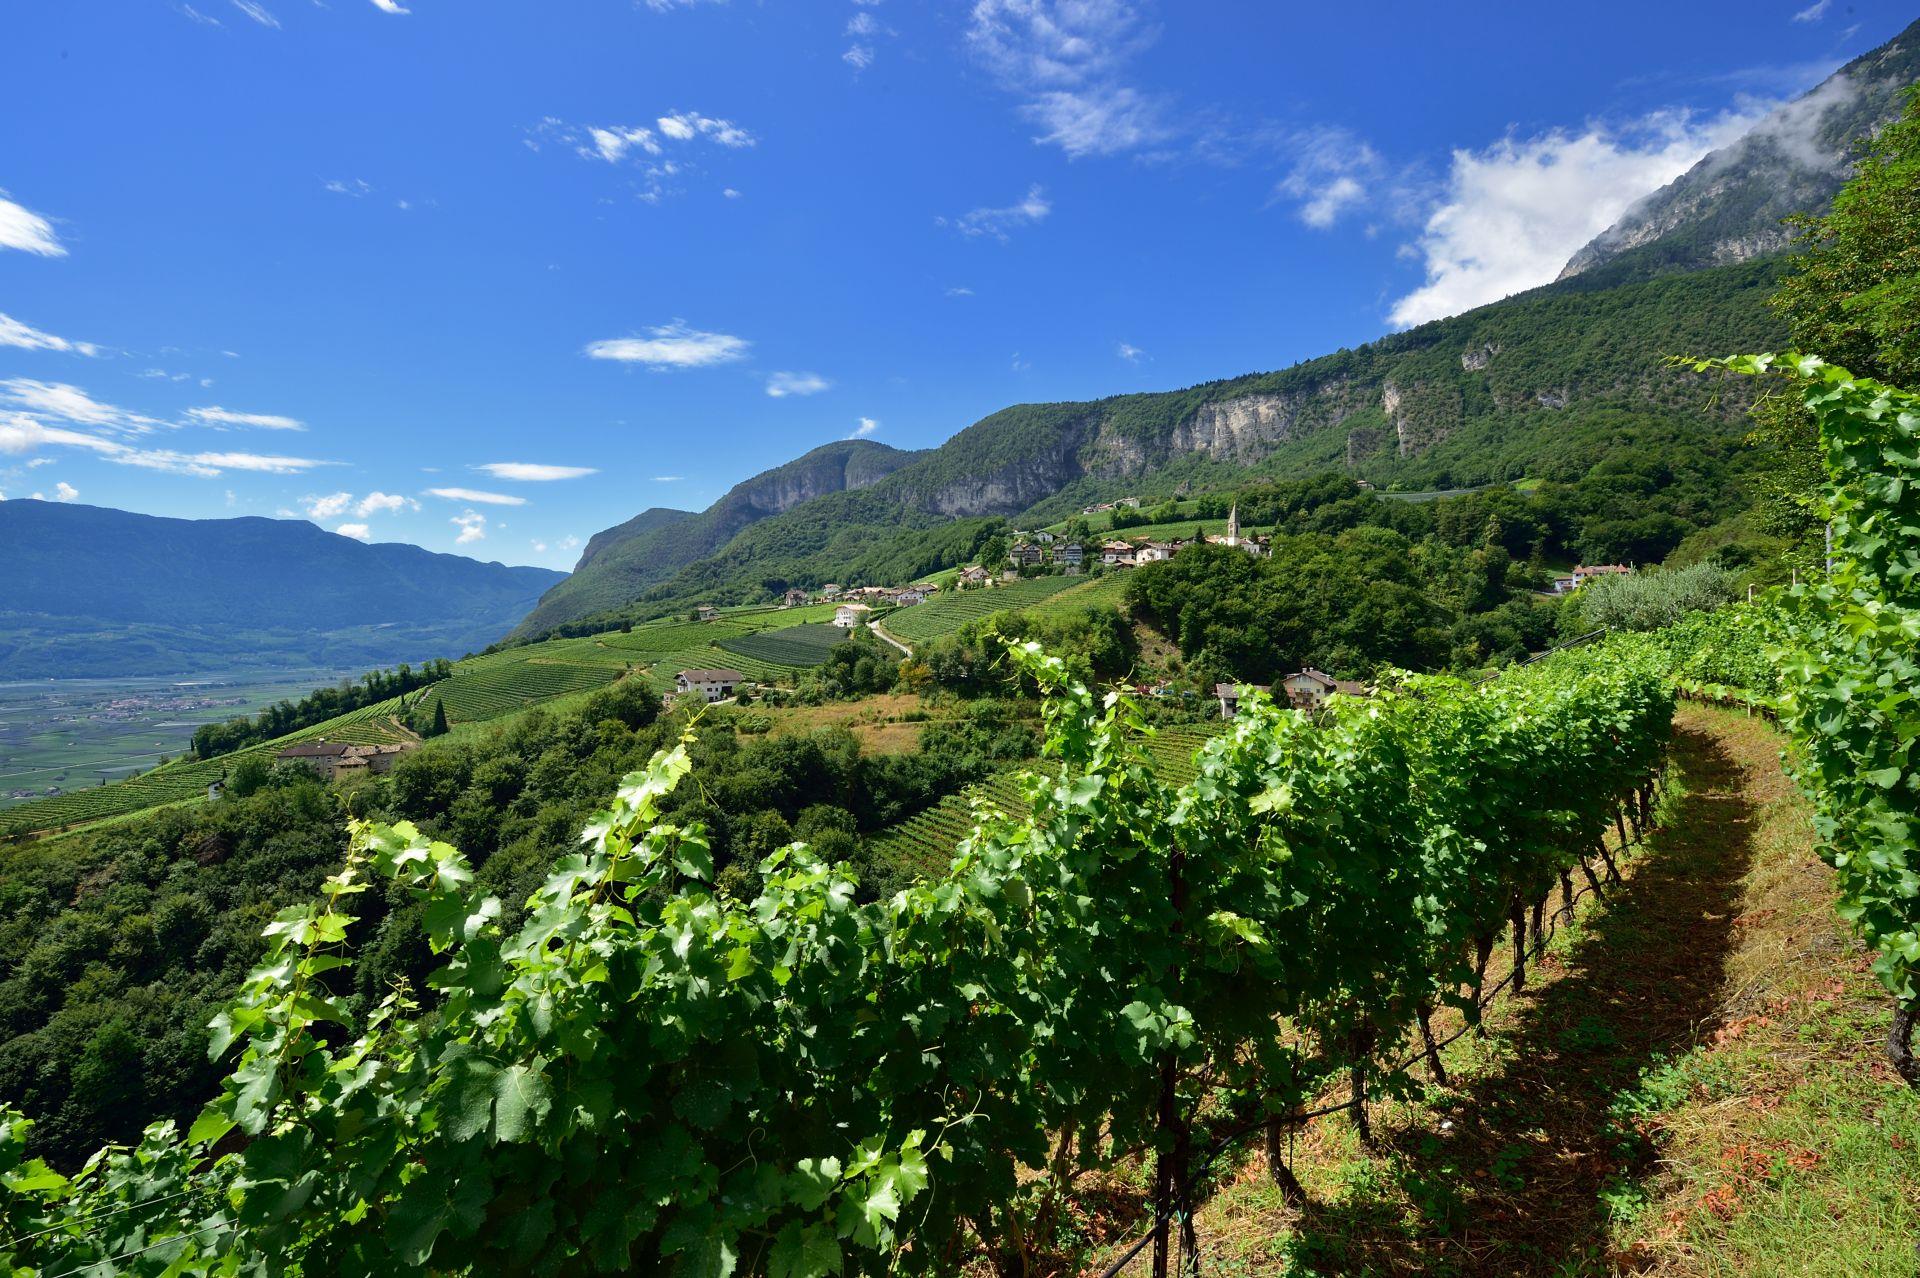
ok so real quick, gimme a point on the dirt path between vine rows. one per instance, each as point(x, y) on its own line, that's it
point(1509, 1171)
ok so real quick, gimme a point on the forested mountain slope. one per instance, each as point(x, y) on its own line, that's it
point(1538, 385)
point(621, 563)
point(88, 590)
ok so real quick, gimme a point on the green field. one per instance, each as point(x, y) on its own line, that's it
point(947, 612)
point(925, 841)
point(798, 646)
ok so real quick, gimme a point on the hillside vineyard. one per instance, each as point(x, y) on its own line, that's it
point(648, 1073)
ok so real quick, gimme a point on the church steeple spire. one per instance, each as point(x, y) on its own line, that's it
point(1233, 524)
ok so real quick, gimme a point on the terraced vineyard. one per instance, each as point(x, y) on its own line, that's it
point(1105, 591)
point(797, 646)
point(926, 840)
point(946, 613)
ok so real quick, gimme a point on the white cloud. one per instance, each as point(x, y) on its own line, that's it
point(21, 228)
point(331, 506)
point(472, 525)
point(1129, 352)
point(1813, 12)
point(862, 24)
point(356, 187)
point(684, 126)
point(672, 345)
point(1066, 59)
point(535, 472)
point(668, 479)
point(219, 417)
point(359, 532)
point(858, 56)
point(390, 6)
point(781, 385)
point(1332, 171)
point(257, 12)
point(866, 427)
point(613, 144)
point(67, 403)
point(997, 222)
point(1515, 212)
point(216, 462)
point(476, 495)
point(63, 491)
point(376, 503)
point(569, 541)
point(959, 290)
point(1326, 204)
point(664, 6)
point(730, 193)
point(188, 11)
point(15, 333)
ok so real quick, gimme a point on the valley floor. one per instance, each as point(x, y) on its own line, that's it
point(1692, 1085)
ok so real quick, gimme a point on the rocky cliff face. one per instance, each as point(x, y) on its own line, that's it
point(1728, 207)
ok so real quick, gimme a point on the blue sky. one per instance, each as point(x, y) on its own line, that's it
point(489, 276)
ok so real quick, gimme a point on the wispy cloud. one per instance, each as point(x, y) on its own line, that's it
point(535, 472)
point(1515, 211)
point(390, 6)
point(672, 345)
point(472, 525)
point(478, 496)
point(257, 12)
point(1066, 60)
point(262, 462)
point(67, 403)
point(866, 427)
point(684, 126)
point(1813, 12)
point(668, 479)
point(192, 14)
point(221, 418)
point(358, 188)
point(1333, 171)
point(781, 385)
point(1129, 352)
point(26, 337)
point(997, 222)
point(959, 290)
point(21, 228)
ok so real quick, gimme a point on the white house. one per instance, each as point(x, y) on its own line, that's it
point(1310, 689)
point(714, 685)
point(849, 615)
point(1583, 573)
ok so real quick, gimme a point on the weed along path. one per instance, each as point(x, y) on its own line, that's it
point(1549, 1152)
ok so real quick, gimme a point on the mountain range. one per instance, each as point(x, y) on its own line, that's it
point(90, 591)
point(1503, 392)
